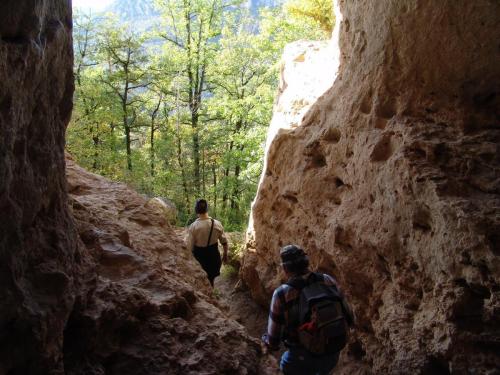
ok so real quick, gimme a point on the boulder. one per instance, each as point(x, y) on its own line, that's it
point(165, 206)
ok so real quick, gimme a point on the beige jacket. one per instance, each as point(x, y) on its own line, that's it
point(199, 230)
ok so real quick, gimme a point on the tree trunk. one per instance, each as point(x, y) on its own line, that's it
point(183, 172)
point(214, 175)
point(237, 172)
point(126, 124)
point(203, 180)
point(127, 141)
point(152, 154)
point(196, 153)
point(152, 151)
point(95, 142)
point(234, 195)
point(225, 190)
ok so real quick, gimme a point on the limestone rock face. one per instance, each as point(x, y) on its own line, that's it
point(39, 255)
point(149, 309)
point(391, 182)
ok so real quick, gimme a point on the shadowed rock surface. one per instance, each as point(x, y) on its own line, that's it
point(40, 262)
point(150, 310)
point(391, 182)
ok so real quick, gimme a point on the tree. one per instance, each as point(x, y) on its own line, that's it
point(152, 101)
point(125, 74)
point(183, 112)
point(243, 83)
point(90, 128)
point(190, 30)
point(318, 12)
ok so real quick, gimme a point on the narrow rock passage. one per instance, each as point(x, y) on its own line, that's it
point(235, 299)
point(239, 304)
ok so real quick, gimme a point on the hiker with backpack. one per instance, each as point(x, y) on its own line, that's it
point(202, 240)
point(310, 314)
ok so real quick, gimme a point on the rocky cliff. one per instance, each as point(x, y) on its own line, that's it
point(391, 182)
point(39, 256)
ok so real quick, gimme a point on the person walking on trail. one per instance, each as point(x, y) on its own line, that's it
point(203, 237)
point(310, 314)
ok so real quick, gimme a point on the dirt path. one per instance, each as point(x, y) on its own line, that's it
point(235, 299)
point(240, 305)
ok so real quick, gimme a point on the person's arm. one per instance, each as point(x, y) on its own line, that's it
point(275, 322)
point(225, 246)
point(190, 238)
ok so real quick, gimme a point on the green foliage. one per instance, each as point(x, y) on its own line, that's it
point(318, 13)
point(182, 111)
point(228, 271)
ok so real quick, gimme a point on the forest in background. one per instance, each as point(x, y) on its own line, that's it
point(180, 109)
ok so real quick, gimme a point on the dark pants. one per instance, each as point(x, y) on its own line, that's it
point(209, 259)
point(298, 361)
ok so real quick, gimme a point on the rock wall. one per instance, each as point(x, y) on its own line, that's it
point(38, 242)
point(391, 181)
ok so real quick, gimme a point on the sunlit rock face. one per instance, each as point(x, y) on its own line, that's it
point(150, 310)
point(39, 256)
point(308, 69)
point(391, 183)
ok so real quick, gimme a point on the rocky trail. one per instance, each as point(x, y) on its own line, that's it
point(151, 309)
point(239, 304)
point(234, 298)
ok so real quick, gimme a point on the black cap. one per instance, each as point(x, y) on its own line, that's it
point(292, 254)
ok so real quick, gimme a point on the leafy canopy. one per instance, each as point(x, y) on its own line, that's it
point(180, 109)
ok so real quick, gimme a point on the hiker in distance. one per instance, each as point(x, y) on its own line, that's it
point(310, 314)
point(203, 237)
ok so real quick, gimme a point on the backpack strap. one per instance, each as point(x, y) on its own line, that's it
point(297, 283)
point(210, 235)
point(314, 277)
point(300, 283)
point(292, 311)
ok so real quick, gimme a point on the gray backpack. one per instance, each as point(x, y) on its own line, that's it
point(320, 316)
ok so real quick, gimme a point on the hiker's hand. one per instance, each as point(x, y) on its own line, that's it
point(224, 258)
point(267, 347)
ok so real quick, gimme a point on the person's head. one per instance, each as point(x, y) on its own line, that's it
point(294, 260)
point(201, 207)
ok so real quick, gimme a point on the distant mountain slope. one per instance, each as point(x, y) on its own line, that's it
point(133, 10)
point(143, 11)
point(255, 5)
